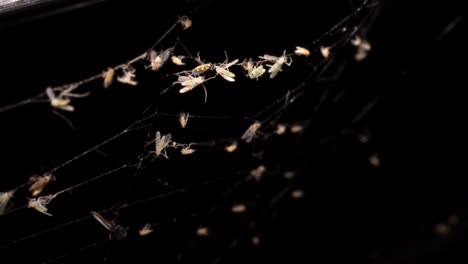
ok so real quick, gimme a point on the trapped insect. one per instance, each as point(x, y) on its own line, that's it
point(223, 70)
point(108, 77)
point(258, 172)
point(183, 119)
point(158, 60)
point(203, 231)
point(277, 63)
point(128, 76)
point(238, 208)
point(145, 230)
point(187, 150)
point(162, 143)
point(325, 51)
point(38, 183)
point(40, 203)
point(177, 60)
point(280, 129)
point(189, 82)
point(302, 51)
point(185, 21)
point(59, 102)
point(116, 232)
point(4, 200)
point(231, 148)
point(250, 133)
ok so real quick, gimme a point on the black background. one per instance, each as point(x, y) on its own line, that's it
point(352, 211)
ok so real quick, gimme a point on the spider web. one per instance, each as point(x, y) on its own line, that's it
point(211, 191)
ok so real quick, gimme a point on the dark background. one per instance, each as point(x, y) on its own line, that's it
point(414, 78)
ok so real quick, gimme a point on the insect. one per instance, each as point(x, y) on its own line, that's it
point(187, 150)
point(231, 148)
point(277, 63)
point(297, 194)
point(363, 47)
point(189, 82)
point(280, 129)
point(302, 51)
point(177, 60)
point(253, 71)
point(325, 51)
point(128, 76)
point(145, 230)
point(157, 61)
point(183, 119)
point(60, 102)
point(223, 70)
point(203, 231)
point(201, 68)
point(4, 200)
point(296, 129)
point(38, 183)
point(185, 22)
point(40, 203)
point(162, 143)
point(258, 172)
point(249, 134)
point(108, 77)
point(238, 208)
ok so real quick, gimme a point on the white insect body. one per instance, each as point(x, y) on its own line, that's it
point(231, 148)
point(203, 231)
point(185, 22)
point(250, 133)
point(158, 60)
point(108, 77)
point(59, 102)
point(325, 51)
point(258, 172)
point(4, 200)
point(145, 230)
point(302, 51)
point(183, 119)
point(177, 60)
point(189, 82)
point(38, 183)
point(187, 151)
point(223, 70)
point(40, 203)
point(128, 77)
point(257, 72)
point(280, 129)
point(162, 143)
point(296, 129)
point(277, 63)
point(202, 68)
